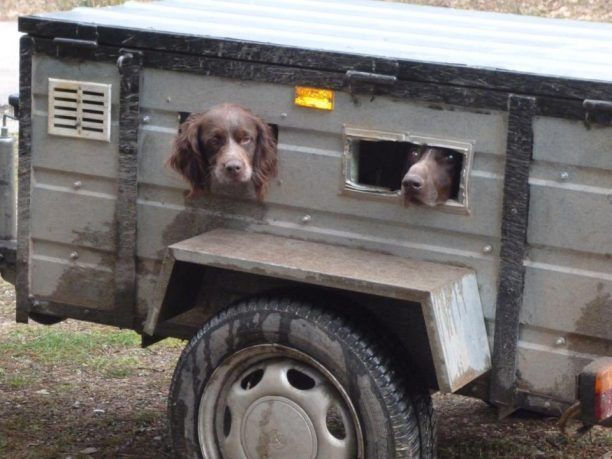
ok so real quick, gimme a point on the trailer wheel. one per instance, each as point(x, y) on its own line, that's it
point(277, 378)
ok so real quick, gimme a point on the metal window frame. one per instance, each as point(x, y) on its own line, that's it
point(350, 187)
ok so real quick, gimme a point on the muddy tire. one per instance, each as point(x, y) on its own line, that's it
point(277, 378)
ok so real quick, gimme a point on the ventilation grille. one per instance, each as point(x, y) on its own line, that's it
point(79, 109)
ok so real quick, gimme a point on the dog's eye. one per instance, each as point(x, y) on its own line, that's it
point(450, 157)
point(246, 140)
point(414, 154)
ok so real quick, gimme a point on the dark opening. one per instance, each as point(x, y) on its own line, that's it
point(335, 423)
point(381, 163)
point(227, 422)
point(300, 380)
point(252, 379)
point(457, 174)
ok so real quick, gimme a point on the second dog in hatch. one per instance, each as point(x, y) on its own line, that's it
point(432, 177)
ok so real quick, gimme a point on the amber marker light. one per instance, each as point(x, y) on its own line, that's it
point(603, 394)
point(322, 99)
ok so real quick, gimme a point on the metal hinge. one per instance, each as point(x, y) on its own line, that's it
point(597, 112)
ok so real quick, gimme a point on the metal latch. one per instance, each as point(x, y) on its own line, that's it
point(83, 36)
point(597, 112)
point(368, 83)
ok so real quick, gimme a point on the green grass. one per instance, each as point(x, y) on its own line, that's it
point(17, 382)
point(115, 367)
point(50, 345)
point(99, 350)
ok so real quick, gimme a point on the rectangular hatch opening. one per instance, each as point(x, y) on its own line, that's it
point(375, 162)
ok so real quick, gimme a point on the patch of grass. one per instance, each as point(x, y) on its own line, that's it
point(17, 382)
point(115, 367)
point(146, 417)
point(54, 345)
point(170, 343)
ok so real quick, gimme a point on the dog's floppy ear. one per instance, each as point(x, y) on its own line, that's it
point(188, 157)
point(264, 161)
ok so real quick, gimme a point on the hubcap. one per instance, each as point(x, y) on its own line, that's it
point(274, 427)
point(273, 402)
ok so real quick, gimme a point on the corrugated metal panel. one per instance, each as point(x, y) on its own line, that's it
point(549, 47)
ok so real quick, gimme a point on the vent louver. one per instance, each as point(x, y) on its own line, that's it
point(79, 109)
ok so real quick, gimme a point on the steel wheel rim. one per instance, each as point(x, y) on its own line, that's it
point(273, 401)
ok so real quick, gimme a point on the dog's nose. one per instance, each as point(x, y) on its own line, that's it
point(233, 167)
point(414, 182)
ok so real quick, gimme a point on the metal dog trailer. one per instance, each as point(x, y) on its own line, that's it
point(321, 319)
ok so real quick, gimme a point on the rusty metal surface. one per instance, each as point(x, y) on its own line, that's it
point(448, 295)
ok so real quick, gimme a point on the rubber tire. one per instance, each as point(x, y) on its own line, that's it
point(397, 420)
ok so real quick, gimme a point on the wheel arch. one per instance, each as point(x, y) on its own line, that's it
point(190, 301)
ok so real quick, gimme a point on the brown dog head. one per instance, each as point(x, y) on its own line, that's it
point(227, 145)
point(433, 175)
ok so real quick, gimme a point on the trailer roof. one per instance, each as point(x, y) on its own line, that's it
point(539, 46)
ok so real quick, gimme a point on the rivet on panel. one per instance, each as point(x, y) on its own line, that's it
point(306, 219)
point(283, 115)
point(146, 119)
point(514, 211)
point(560, 341)
point(168, 99)
point(487, 249)
point(564, 175)
point(77, 185)
point(74, 255)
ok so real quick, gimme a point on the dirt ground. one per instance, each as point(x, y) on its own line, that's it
point(77, 390)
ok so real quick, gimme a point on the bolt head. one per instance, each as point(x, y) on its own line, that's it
point(306, 219)
point(487, 249)
point(74, 255)
point(560, 341)
point(283, 115)
point(564, 175)
point(168, 99)
point(77, 185)
point(146, 119)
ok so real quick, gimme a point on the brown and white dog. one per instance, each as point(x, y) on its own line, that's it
point(228, 146)
point(433, 175)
